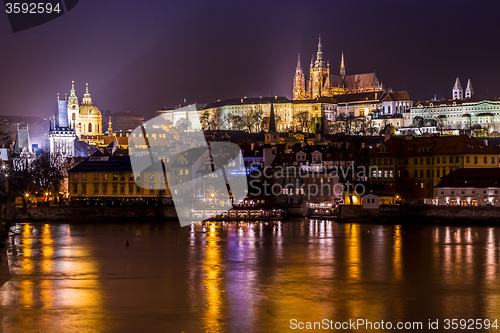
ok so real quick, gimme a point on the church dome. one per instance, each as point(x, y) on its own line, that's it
point(89, 110)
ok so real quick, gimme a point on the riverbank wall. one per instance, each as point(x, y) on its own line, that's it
point(468, 215)
point(90, 213)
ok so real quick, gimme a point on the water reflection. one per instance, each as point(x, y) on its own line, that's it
point(48, 276)
point(217, 277)
point(213, 267)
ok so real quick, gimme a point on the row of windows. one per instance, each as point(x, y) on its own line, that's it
point(121, 177)
point(103, 176)
point(385, 173)
point(439, 160)
point(464, 192)
point(132, 189)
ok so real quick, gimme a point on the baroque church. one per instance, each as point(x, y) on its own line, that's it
point(86, 118)
point(323, 84)
point(74, 122)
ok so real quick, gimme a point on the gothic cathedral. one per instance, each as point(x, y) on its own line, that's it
point(322, 84)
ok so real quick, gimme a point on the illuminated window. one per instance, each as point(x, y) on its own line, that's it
point(96, 176)
point(105, 176)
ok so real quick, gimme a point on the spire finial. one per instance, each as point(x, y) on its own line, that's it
point(72, 85)
point(86, 88)
point(57, 96)
point(298, 62)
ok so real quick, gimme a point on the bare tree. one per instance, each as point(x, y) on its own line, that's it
point(232, 122)
point(302, 121)
point(183, 124)
point(252, 120)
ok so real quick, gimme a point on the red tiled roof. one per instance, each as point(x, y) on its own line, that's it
point(436, 145)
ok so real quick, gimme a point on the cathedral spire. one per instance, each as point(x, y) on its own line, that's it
point(457, 91)
point(469, 92)
point(298, 63)
point(320, 51)
point(319, 55)
point(342, 67)
point(272, 119)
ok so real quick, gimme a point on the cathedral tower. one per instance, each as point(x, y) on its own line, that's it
point(299, 83)
point(457, 91)
point(319, 74)
point(469, 92)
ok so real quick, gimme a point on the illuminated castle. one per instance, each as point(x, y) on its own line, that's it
point(323, 84)
point(86, 118)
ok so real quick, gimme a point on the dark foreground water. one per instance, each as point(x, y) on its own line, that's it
point(245, 277)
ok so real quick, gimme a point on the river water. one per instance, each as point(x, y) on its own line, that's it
point(245, 277)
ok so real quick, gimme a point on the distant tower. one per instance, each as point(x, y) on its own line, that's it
point(110, 127)
point(469, 92)
point(22, 154)
point(61, 135)
point(342, 67)
point(72, 106)
point(271, 137)
point(299, 83)
point(457, 92)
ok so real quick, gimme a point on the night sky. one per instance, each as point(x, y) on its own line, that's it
point(143, 55)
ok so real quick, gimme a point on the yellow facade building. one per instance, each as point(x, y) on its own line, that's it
point(414, 166)
point(102, 175)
